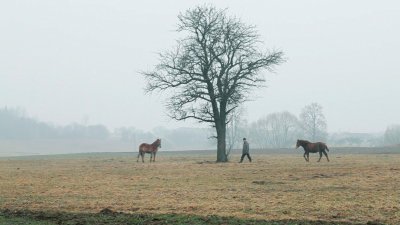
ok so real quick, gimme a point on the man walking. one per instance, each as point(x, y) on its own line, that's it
point(245, 151)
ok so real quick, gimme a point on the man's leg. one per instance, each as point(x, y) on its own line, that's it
point(248, 156)
point(241, 158)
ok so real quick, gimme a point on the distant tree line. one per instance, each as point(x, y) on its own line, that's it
point(347, 139)
point(392, 135)
point(14, 124)
point(275, 130)
point(282, 129)
point(177, 139)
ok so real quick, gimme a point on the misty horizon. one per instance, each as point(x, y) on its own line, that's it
point(24, 114)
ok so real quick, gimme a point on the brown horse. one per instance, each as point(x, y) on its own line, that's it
point(313, 148)
point(149, 148)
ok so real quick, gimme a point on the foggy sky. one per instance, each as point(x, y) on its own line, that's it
point(79, 60)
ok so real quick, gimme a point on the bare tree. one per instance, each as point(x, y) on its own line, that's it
point(212, 69)
point(282, 128)
point(313, 122)
point(259, 133)
point(276, 130)
point(392, 135)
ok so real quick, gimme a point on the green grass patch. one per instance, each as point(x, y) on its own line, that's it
point(106, 216)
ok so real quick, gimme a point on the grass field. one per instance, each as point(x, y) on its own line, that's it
point(189, 188)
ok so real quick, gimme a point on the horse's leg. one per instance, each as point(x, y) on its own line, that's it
point(142, 154)
point(326, 155)
point(154, 159)
point(308, 156)
point(151, 156)
point(138, 157)
point(320, 156)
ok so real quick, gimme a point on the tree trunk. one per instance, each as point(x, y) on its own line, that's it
point(221, 143)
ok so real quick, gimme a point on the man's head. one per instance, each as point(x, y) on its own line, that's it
point(244, 139)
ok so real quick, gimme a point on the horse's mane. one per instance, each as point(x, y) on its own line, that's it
point(156, 142)
point(304, 141)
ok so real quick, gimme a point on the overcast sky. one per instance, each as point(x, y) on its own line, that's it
point(79, 60)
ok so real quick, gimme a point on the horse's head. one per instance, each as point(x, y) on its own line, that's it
point(298, 143)
point(159, 143)
point(302, 143)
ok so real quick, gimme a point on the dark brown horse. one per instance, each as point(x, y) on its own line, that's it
point(319, 147)
point(149, 148)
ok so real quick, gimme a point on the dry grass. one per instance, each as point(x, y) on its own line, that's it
point(354, 188)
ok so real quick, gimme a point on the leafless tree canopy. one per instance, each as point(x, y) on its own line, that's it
point(275, 130)
point(212, 69)
point(392, 135)
point(313, 122)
